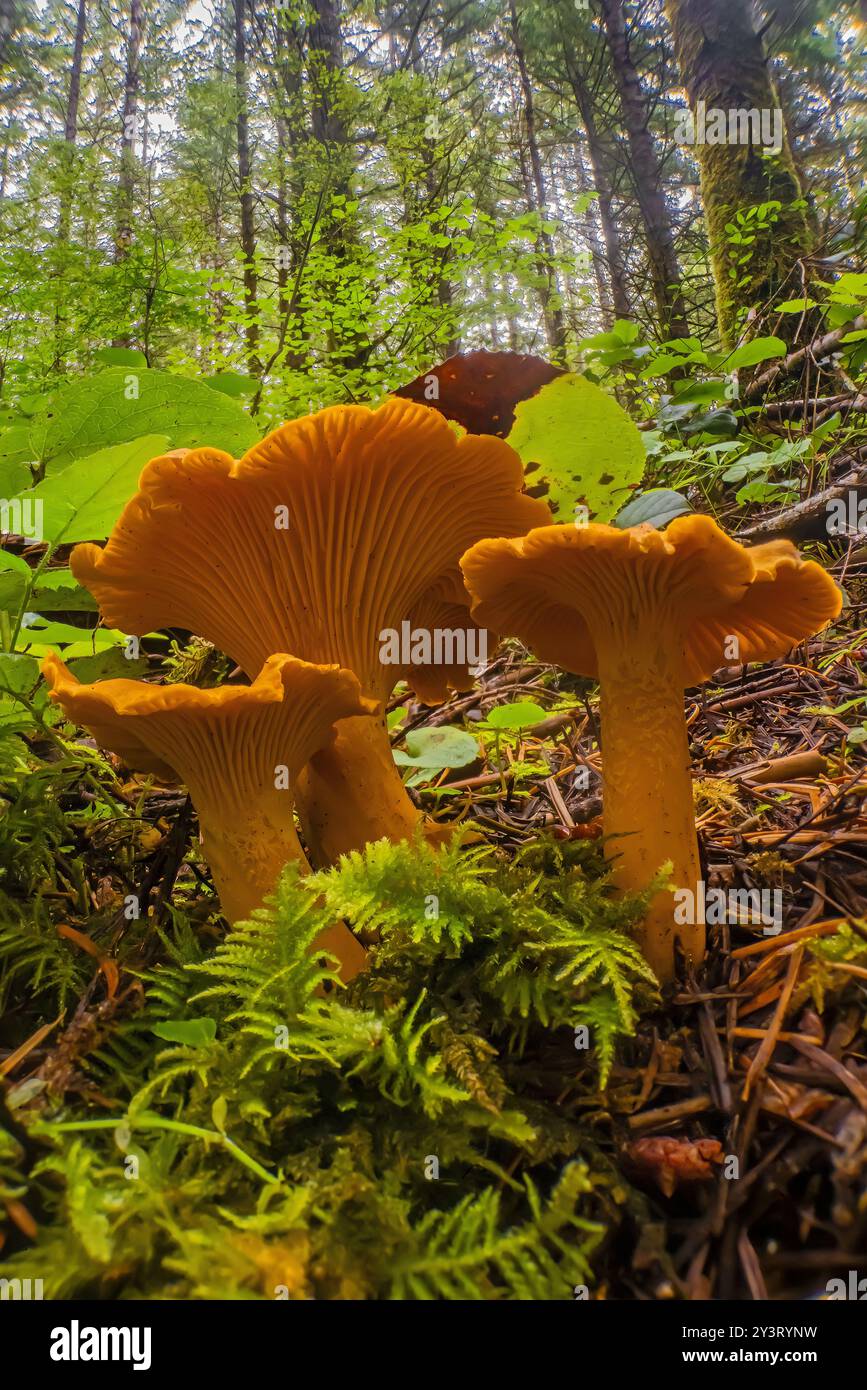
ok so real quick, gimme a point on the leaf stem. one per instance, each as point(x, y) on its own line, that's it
point(148, 1120)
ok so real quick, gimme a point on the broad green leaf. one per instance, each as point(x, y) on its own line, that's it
point(438, 749)
point(521, 714)
point(112, 664)
point(31, 405)
point(794, 306)
point(15, 476)
point(121, 357)
point(40, 637)
point(13, 587)
point(656, 507)
point(15, 445)
point(232, 383)
point(15, 575)
point(83, 502)
point(588, 451)
point(755, 351)
point(723, 421)
point(120, 405)
point(195, 1032)
point(701, 391)
point(58, 592)
point(10, 561)
point(18, 672)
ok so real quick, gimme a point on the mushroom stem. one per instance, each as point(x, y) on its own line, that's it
point(351, 793)
point(248, 856)
point(648, 808)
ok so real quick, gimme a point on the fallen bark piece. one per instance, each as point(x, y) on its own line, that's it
point(789, 769)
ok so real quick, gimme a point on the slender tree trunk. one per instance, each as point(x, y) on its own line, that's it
point(599, 164)
point(70, 136)
point(325, 55)
point(647, 176)
point(537, 200)
point(126, 190)
point(603, 285)
point(70, 126)
point(245, 172)
point(288, 122)
point(8, 18)
point(722, 64)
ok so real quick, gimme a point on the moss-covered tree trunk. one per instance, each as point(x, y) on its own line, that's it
point(723, 65)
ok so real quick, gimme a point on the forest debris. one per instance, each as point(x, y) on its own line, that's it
point(669, 1161)
point(107, 966)
point(818, 348)
point(8, 1065)
point(763, 1056)
point(789, 769)
point(809, 517)
point(827, 1062)
point(826, 928)
point(666, 1114)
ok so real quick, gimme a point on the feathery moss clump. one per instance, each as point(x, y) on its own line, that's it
point(255, 1131)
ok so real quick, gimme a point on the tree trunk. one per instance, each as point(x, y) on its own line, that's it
point(7, 26)
point(245, 171)
point(537, 201)
point(722, 64)
point(70, 128)
point(70, 135)
point(325, 59)
point(647, 176)
point(124, 232)
point(602, 182)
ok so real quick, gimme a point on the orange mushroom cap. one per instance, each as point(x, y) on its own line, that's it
point(239, 750)
point(379, 504)
point(559, 587)
point(228, 740)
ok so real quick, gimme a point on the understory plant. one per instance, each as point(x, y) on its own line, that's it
point(255, 1130)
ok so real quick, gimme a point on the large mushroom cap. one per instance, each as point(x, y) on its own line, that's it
point(231, 736)
point(330, 530)
point(560, 587)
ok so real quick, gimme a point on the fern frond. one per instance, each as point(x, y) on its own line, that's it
point(463, 1253)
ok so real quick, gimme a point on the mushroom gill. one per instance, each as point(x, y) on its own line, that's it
point(239, 749)
point(648, 613)
point(328, 534)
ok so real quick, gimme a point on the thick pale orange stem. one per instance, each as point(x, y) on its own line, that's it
point(351, 793)
point(247, 854)
point(648, 809)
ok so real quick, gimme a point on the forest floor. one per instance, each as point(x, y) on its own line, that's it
point(733, 1125)
point(756, 1066)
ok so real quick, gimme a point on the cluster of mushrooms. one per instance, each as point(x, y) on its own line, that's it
point(294, 559)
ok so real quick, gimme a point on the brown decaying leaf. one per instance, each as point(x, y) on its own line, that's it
point(480, 389)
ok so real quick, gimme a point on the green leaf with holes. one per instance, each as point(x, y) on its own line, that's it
point(580, 446)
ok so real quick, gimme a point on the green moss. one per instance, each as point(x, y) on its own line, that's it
point(722, 64)
point(400, 1139)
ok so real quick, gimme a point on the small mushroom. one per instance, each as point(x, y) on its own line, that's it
point(239, 749)
point(648, 613)
point(335, 528)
